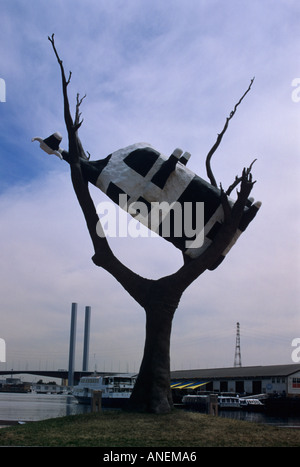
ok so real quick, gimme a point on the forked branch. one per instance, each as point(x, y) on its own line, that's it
point(239, 179)
point(78, 122)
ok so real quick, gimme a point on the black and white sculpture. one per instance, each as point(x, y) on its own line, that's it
point(150, 187)
point(139, 178)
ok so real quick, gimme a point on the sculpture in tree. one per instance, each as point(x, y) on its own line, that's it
point(139, 173)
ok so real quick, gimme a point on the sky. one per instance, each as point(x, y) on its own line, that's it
point(167, 73)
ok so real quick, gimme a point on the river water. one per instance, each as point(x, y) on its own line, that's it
point(288, 422)
point(34, 407)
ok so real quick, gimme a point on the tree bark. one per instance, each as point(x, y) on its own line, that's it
point(152, 391)
point(159, 298)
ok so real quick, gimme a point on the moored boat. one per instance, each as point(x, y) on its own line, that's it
point(116, 389)
point(251, 404)
point(225, 402)
point(229, 402)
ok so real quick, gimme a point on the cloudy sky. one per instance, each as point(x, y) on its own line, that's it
point(167, 73)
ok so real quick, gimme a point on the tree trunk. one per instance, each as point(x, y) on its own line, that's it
point(152, 391)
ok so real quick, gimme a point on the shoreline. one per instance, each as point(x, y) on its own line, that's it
point(6, 423)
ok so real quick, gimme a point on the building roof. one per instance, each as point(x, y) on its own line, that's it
point(236, 372)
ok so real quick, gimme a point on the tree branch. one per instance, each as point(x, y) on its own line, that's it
point(78, 122)
point(225, 204)
point(220, 136)
point(135, 285)
point(239, 179)
point(67, 113)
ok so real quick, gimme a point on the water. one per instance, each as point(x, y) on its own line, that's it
point(34, 407)
point(260, 417)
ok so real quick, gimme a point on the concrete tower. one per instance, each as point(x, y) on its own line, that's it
point(86, 343)
point(72, 344)
point(237, 355)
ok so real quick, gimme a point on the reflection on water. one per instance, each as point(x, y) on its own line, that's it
point(33, 407)
point(259, 417)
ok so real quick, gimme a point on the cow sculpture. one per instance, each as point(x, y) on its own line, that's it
point(150, 186)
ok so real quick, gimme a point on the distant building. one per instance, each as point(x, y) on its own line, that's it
point(44, 388)
point(14, 385)
point(273, 379)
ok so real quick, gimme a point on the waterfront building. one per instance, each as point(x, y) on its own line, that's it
point(269, 380)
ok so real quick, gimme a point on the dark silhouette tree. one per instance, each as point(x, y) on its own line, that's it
point(159, 298)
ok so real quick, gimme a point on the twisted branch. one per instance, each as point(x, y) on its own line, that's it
point(220, 136)
point(136, 286)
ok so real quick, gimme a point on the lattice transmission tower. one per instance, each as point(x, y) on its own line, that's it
point(237, 355)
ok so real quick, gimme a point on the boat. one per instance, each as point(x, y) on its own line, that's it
point(251, 404)
point(229, 402)
point(116, 389)
point(199, 402)
point(15, 385)
point(195, 402)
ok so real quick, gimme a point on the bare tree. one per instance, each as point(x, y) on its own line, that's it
point(159, 298)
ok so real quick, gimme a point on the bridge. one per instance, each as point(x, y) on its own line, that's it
point(71, 375)
point(62, 374)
